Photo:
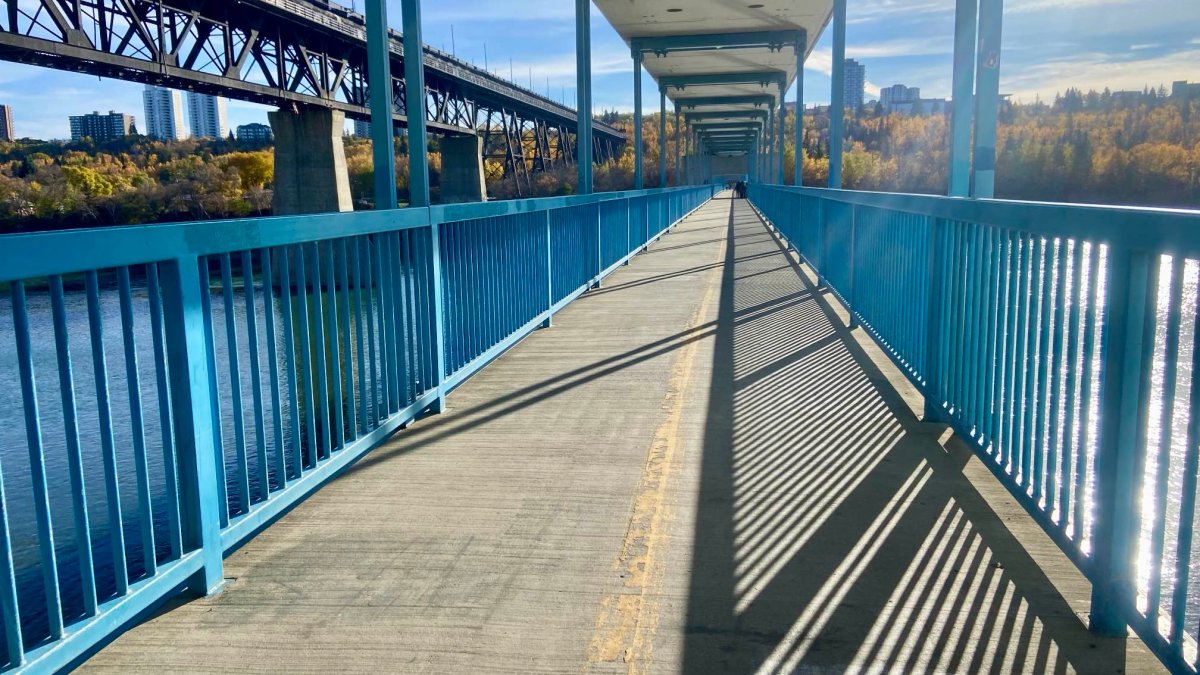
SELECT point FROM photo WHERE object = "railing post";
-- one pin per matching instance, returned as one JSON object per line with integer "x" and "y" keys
{"x": 549, "y": 274}
{"x": 1127, "y": 347}
{"x": 599, "y": 247}
{"x": 933, "y": 323}
{"x": 628, "y": 224}
{"x": 850, "y": 264}
{"x": 193, "y": 415}
{"x": 439, "y": 328}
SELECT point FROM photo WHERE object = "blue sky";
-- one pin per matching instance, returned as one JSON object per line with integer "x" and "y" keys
{"x": 1048, "y": 46}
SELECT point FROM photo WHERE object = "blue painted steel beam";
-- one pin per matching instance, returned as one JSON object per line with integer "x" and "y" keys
{"x": 383, "y": 141}
{"x": 965, "y": 20}
{"x": 749, "y": 125}
{"x": 638, "y": 152}
{"x": 748, "y": 99}
{"x": 837, "y": 107}
{"x": 762, "y": 115}
{"x": 583, "y": 82}
{"x": 798, "y": 175}
{"x": 987, "y": 96}
{"x": 764, "y": 78}
{"x": 774, "y": 40}
{"x": 414, "y": 80}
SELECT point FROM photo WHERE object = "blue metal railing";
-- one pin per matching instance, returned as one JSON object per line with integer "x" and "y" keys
{"x": 1061, "y": 340}
{"x": 205, "y": 377}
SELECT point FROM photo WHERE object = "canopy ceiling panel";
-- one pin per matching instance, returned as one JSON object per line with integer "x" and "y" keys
{"x": 668, "y": 32}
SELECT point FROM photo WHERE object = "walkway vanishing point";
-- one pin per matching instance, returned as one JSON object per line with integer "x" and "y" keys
{"x": 698, "y": 469}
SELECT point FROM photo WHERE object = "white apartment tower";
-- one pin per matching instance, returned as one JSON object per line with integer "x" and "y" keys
{"x": 207, "y": 115}
{"x": 164, "y": 113}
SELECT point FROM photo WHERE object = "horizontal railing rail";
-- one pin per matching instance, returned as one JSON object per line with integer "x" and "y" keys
{"x": 1061, "y": 340}
{"x": 166, "y": 391}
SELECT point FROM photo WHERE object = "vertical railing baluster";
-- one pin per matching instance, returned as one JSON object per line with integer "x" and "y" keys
{"x": 343, "y": 265}
{"x": 439, "y": 344}
{"x": 305, "y": 356}
{"x": 279, "y": 457}
{"x": 363, "y": 412}
{"x": 137, "y": 434}
{"x": 549, "y": 271}
{"x": 166, "y": 422}
{"x": 1084, "y": 433}
{"x": 1054, "y": 448}
{"x": 320, "y": 356}
{"x": 260, "y": 427}
{"x": 194, "y": 419}
{"x": 1042, "y": 384}
{"x": 1170, "y": 374}
{"x": 10, "y": 612}
{"x": 373, "y": 312}
{"x": 108, "y": 450}
{"x": 241, "y": 473}
{"x": 337, "y": 432}
{"x": 1128, "y": 336}
{"x": 47, "y": 555}
{"x": 1187, "y": 502}
{"x": 287, "y": 297}
{"x": 1070, "y": 448}
{"x": 218, "y": 435}
{"x": 66, "y": 386}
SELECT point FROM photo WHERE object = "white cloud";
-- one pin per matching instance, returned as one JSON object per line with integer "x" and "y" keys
{"x": 1097, "y": 70}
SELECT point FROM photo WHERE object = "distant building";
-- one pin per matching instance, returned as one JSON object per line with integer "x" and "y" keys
{"x": 362, "y": 129}
{"x": 101, "y": 128}
{"x": 6, "y": 124}
{"x": 856, "y": 83}
{"x": 207, "y": 116}
{"x": 1128, "y": 97}
{"x": 907, "y": 101}
{"x": 898, "y": 93}
{"x": 164, "y": 113}
{"x": 255, "y": 133}
{"x": 1185, "y": 90}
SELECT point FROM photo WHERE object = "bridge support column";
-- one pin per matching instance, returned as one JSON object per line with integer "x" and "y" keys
{"x": 310, "y": 162}
{"x": 462, "y": 169}
{"x": 798, "y": 160}
{"x": 837, "y": 99}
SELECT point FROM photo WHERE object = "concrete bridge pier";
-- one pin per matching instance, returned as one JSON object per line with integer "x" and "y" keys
{"x": 462, "y": 169}
{"x": 310, "y": 162}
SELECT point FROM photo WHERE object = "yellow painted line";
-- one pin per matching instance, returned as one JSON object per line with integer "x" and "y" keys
{"x": 628, "y": 616}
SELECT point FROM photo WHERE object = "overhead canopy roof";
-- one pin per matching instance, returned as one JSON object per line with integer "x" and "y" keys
{"x": 719, "y": 60}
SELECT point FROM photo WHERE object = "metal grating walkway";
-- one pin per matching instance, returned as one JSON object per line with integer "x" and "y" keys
{"x": 697, "y": 469}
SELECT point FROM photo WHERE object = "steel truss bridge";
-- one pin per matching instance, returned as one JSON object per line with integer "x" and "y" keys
{"x": 290, "y": 53}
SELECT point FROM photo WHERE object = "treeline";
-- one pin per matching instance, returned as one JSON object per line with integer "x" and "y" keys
{"x": 48, "y": 185}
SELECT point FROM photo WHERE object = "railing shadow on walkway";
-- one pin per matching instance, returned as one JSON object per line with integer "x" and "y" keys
{"x": 835, "y": 531}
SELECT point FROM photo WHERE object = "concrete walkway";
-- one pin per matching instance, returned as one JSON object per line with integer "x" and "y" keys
{"x": 699, "y": 469}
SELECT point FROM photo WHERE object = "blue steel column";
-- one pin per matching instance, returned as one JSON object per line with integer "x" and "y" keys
{"x": 383, "y": 141}
{"x": 781, "y": 149}
{"x": 678, "y": 148}
{"x": 837, "y": 105}
{"x": 801, "y": 49}
{"x": 583, "y": 82}
{"x": 987, "y": 97}
{"x": 768, "y": 175}
{"x": 418, "y": 177}
{"x": 965, "y": 19}
{"x": 414, "y": 109}
{"x": 637, "y": 121}
{"x": 662, "y": 137}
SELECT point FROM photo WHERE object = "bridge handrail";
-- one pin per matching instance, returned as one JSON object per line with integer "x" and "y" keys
{"x": 1050, "y": 336}
{"x": 278, "y": 351}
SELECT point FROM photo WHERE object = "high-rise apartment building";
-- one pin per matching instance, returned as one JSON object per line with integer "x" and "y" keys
{"x": 164, "y": 113}
{"x": 6, "y": 124}
{"x": 362, "y": 129}
{"x": 101, "y": 128}
{"x": 856, "y": 82}
{"x": 207, "y": 115}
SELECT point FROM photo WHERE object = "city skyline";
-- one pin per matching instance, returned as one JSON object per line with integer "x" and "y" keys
{"x": 1049, "y": 45}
